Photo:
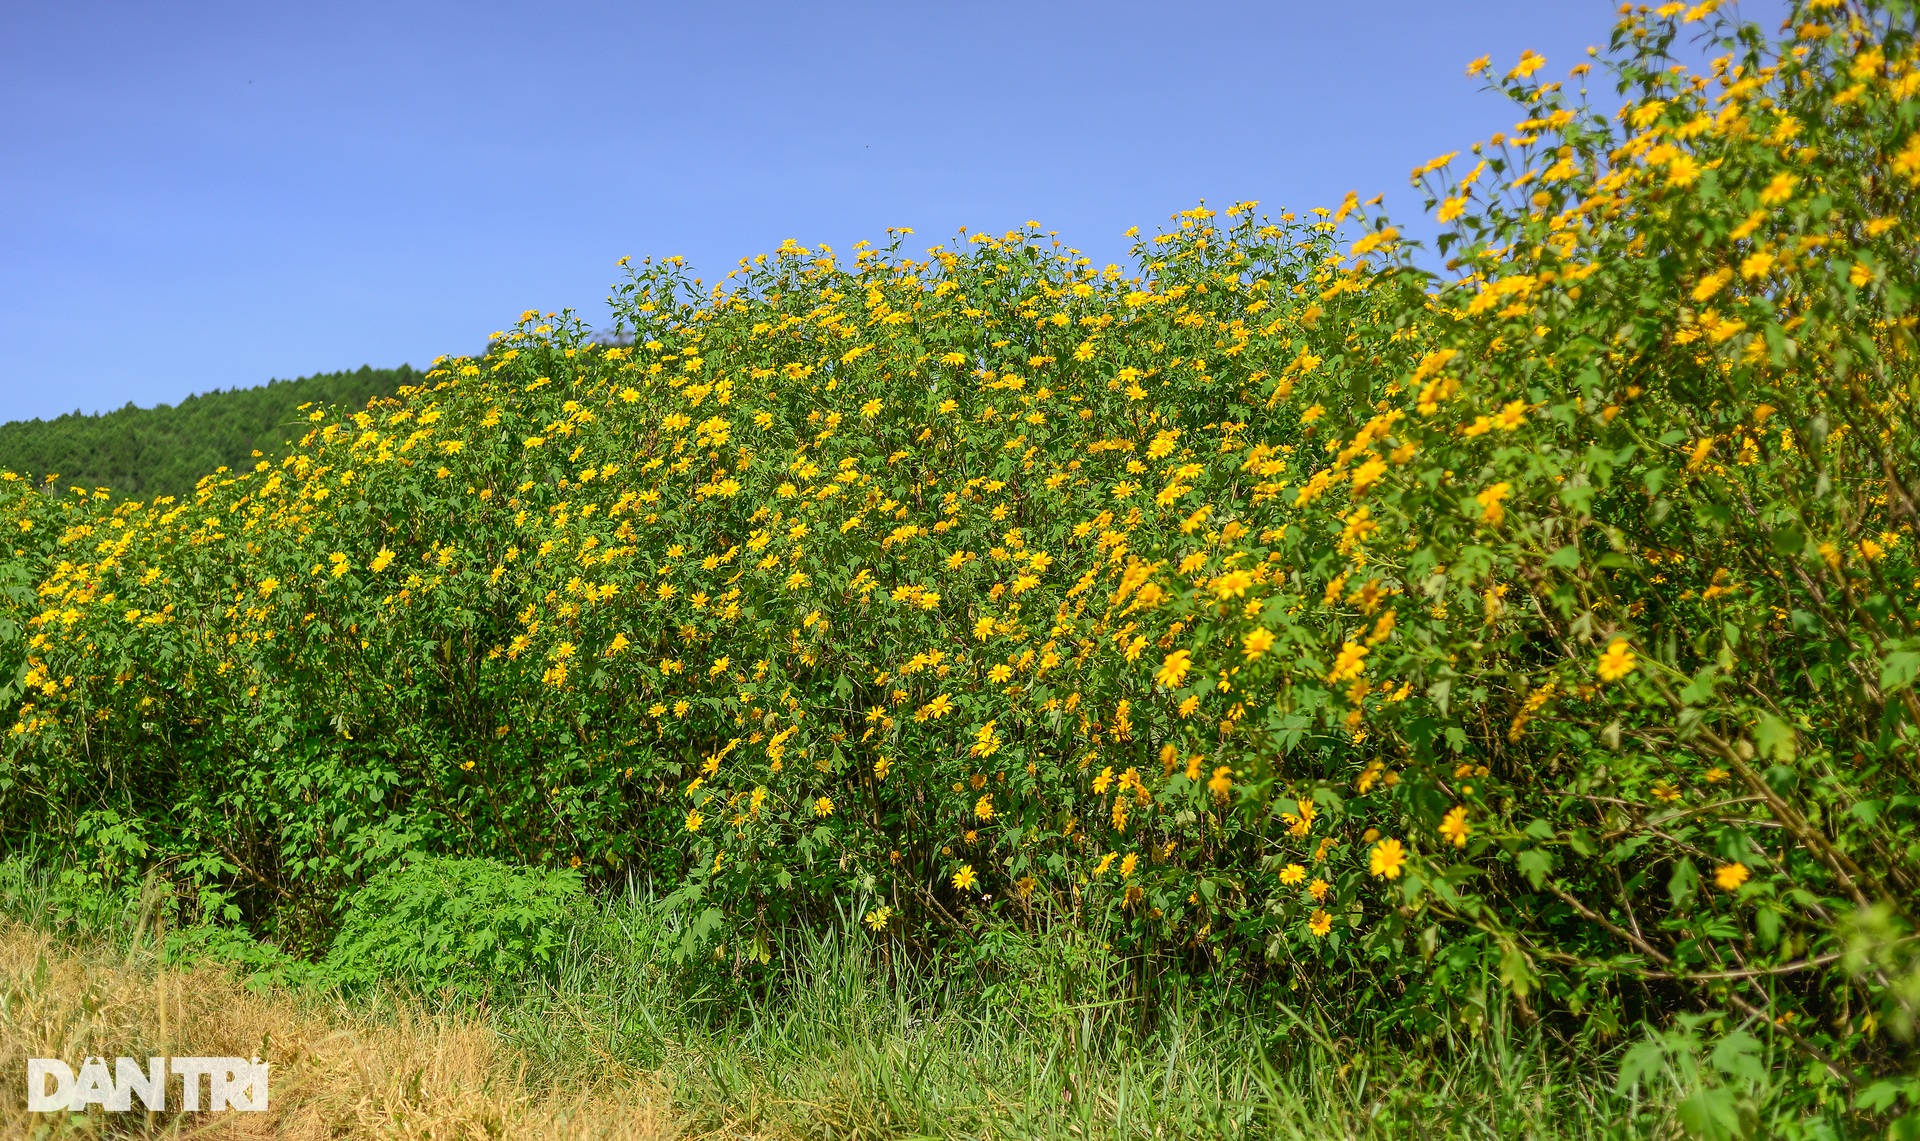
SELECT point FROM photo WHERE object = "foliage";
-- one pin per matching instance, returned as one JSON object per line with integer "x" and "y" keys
{"x": 468, "y": 925}
{"x": 1540, "y": 637}
{"x": 854, "y": 1039}
{"x": 164, "y": 450}
{"x": 854, "y": 1042}
{"x": 260, "y": 963}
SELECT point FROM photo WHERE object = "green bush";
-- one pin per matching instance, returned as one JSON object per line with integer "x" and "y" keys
{"x": 264, "y": 964}
{"x": 463, "y": 925}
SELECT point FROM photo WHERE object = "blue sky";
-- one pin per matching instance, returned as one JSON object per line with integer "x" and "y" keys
{"x": 207, "y": 195}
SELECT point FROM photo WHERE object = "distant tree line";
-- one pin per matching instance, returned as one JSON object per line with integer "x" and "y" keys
{"x": 164, "y": 450}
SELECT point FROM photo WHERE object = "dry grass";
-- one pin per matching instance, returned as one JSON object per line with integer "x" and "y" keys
{"x": 337, "y": 1072}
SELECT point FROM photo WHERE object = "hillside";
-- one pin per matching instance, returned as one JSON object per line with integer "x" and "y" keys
{"x": 143, "y": 452}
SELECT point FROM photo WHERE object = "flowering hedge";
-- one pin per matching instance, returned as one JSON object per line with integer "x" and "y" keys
{"x": 1545, "y": 627}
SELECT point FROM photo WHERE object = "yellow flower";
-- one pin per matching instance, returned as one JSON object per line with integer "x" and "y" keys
{"x": 823, "y": 806}
{"x": 983, "y": 808}
{"x": 1127, "y": 865}
{"x": 1492, "y": 509}
{"x": 1174, "y": 669}
{"x": 694, "y": 820}
{"x": 1455, "y": 827}
{"x": 1382, "y": 629}
{"x": 1511, "y": 416}
{"x": 1106, "y": 862}
{"x": 986, "y": 742}
{"x": 1318, "y": 889}
{"x": 1778, "y": 191}
{"x": 1712, "y": 284}
{"x": 1756, "y": 265}
{"x": 382, "y": 560}
{"x": 964, "y": 879}
{"x": 1292, "y": 874}
{"x": 268, "y": 586}
{"x": 1320, "y": 923}
{"x": 1233, "y": 584}
{"x": 877, "y": 918}
{"x": 1907, "y": 162}
{"x": 1387, "y": 858}
{"x": 1618, "y": 661}
{"x": 1350, "y": 663}
{"x": 1257, "y": 642}
{"x": 1529, "y": 63}
{"x": 1729, "y": 877}
{"x": 1366, "y": 475}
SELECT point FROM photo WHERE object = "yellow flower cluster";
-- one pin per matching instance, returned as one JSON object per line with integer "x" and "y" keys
{"x": 1271, "y": 570}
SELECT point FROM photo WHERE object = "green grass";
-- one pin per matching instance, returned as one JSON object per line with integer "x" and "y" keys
{"x": 848, "y": 1038}
{"x": 854, "y": 1041}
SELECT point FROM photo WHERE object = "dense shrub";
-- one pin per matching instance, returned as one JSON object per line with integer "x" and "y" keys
{"x": 468, "y": 925}
{"x": 1542, "y": 632}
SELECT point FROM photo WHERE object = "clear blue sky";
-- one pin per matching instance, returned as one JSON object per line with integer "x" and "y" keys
{"x": 206, "y": 195}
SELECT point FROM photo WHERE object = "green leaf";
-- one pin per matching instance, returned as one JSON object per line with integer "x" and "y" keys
{"x": 1683, "y": 883}
{"x": 1515, "y": 971}
{"x": 1536, "y": 864}
{"x": 1709, "y": 1113}
{"x": 1774, "y": 738}
{"x": 1899, "y": 670}
{"x": 1642, "y": 1059}
{"x": 1738, "y": 1056}
{"x": 1881, "y": 1095}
